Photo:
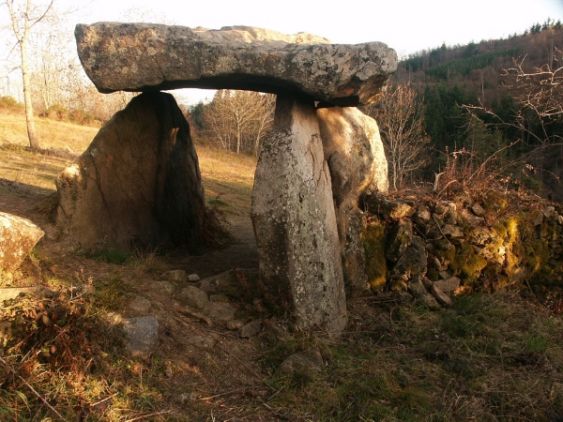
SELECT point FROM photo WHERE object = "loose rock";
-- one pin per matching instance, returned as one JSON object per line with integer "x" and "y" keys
{"x": 251, "y": 329}
{"x": 175, "y": 275}
{"x": 449, "y": 285}
{"x": 193, "y": 296}
{"x": 18, "y": 236}
{"x": 141, "y": 334}
{"x": 307, "y": 363}
{"x": 139, "y": 306}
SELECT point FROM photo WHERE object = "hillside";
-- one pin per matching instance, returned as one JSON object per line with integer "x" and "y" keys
{"x": 487, "y": 357}
{"x": 475, "y": 67}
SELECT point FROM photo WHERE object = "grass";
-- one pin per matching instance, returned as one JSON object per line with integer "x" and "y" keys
{"x": 227, "y": 177}
{"x": 493, "y": 357}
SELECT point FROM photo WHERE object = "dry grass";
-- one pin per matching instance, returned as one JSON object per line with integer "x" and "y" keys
{"x": 68, "y": 137}
{"x": 227, "y": 177}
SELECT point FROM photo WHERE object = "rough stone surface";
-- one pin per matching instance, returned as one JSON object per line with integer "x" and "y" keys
{"x": 175, "y": 275}
{"x": 251, "y": 329}
{"x": 193, "y": 278}
{"x": 138, "y": 184}
{"x": 448, "y": 285}
{"x": 164, "y": 286}
{"x": 308, "y": 363}
{"x": 135, "y": 57}
{"x": 141, "y": 335}
{"x": 139, "y": 305}
{"x": 194, "y": 296}
{"x": 441, "y": 296}
{"x": 18, "y": 236}
{"x": 295, "y": 224}
{"x": 418, "y": 291}
{"x": 356, "y": 159}
{"x": 221, "y": 311}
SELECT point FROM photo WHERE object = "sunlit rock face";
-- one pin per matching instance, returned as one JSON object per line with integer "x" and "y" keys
{"x": 354, "y": 152}
{"x": 137, "y": 57}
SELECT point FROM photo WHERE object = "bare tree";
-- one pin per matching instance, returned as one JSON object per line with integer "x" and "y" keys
{"x": 539, "y": 96}
{"x": 401, "y": 122}
{"x": 23, "y": 17}
{"x": 537, "y": 118}
{"x": 239, "y": 119}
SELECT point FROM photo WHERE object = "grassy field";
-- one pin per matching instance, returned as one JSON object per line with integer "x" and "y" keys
{"x": 227, "y": 177}
{"x": 489, "y": 357}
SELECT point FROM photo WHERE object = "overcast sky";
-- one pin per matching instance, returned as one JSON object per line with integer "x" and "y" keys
{"x": 406, "y": 26}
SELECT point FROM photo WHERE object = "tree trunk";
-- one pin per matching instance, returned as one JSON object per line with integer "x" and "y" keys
{"x": 28, "y": 104}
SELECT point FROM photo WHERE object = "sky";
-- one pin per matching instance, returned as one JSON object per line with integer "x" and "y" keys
{"x": 406, "y": 26}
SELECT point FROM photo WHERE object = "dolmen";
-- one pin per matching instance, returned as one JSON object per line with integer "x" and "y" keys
{"x": 139, "y": 184}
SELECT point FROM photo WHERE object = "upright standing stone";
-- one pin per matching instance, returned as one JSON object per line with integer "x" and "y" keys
{"x": 356, "y": 158}
{"x": 294, "y": 221}
{"x": 138, "y": 183}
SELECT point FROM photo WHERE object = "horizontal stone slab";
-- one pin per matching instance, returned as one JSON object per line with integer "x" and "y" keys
{"x": 139, "y": 57}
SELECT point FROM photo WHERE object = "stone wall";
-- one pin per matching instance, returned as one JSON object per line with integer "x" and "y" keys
{"x": 427, "y": 245}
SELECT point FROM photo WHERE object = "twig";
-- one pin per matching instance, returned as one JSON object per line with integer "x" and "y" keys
{"x": 103, "y": 400}
{"x": 28, "y": 385}
{"x": 147, "y": 415}
{"x": 226, "y": 393}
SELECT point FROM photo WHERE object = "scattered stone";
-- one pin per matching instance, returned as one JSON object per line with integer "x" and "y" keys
{"x": 193, "y": 296}
{"x": 251, "y": 329}
{"x": 418, "y": 291}
{"x": 218, "y": 298}
{"x": 139, "y": 306}
{"x": 18, "y": 236}
{"x": 193, "y": 278}
{"x": 164, "y": 286}
{"x": 141, "y": 335}
{"x": 220, "y": 311}
{"x": 308, "y": 363}
{"x": 235, "y": 324}
{"x": 137, "y": 57}
{"x": 175, "y": 275}
{"x": 452, "y": 231}
{"x": 204, "y": 342}
{"x": 449, "y": 285}
{"x": 478, "y": 210}
{"x": 442, "y": 297}
{"x": 470, "y": 218}
{"x": 219, "y": 283}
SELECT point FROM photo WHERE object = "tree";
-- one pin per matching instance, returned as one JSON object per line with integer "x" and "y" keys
{"x": 23, "y": 17}
{"x": 239, "y": 119}
{"x": 536, "y": 120}
{"x": 401, "y": 122}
